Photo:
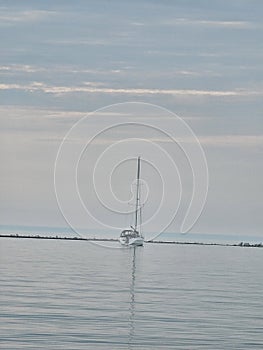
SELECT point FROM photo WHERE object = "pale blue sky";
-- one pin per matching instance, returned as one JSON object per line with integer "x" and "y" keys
{"x": 200, "y": 59}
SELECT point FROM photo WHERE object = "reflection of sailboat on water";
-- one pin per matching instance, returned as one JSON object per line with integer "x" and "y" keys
{"x": 132, "y": 300}
{"x": 132, "y": 236}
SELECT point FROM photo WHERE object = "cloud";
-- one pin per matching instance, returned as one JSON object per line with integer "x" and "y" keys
{"x": 232, "y": 140}
{"x": 215, "y": 23}
{"x": 184, "y": 21}
{"x": 221, "y": 141}
{"x": 123, "y": 71}
{"x": 210, "y": 140}
{"x": 26, "y": 68}
{"x": 11, "y": 115}
{"x": 81, "y": 42}
{"x": 95, "y": 89}
{"x": 8, "y": 17}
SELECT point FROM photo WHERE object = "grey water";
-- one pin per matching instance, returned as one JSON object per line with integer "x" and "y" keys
{"x": 79, "y": 295}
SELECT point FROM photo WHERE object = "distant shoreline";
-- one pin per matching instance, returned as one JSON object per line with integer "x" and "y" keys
{"x": 241, "y": 244}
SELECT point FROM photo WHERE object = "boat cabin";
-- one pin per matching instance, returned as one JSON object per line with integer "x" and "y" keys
{"x": 129, "y": 232}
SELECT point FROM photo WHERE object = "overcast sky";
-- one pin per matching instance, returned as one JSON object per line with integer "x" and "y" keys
{"x": 200, "y": 59}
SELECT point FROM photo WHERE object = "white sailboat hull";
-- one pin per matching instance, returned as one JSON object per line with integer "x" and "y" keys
{"x": 132, "y": 241}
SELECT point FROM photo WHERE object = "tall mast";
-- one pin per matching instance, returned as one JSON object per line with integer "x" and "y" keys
{"x": 137, "y": 192}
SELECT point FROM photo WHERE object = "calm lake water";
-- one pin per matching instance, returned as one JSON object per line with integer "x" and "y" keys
{"x": 77, "y": 295}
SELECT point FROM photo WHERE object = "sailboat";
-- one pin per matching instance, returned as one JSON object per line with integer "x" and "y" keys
{"x": 132, "y": 235}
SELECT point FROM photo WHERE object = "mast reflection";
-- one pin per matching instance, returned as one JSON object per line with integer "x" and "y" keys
{"x": 132, "y": 300}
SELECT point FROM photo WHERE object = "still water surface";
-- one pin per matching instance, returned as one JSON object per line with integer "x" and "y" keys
{"x": 76, "y": 295}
